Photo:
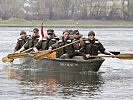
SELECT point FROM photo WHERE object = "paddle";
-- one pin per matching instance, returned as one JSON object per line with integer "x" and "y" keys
{"x": 19, "y": 55}
{"x": 120, "y": 56}
{"x": 11, "y": 57}
{"x": 6, "y": 59}
{"x": 45, "y": 53}
{"x": 16, "y": 55}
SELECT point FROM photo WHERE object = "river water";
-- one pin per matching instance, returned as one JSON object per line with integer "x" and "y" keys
{"x": 114, "y": 80}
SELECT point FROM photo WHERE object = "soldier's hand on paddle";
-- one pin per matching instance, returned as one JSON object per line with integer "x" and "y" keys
{"x": 87, "y": 56}
{"x": 35, "y": 50}
{"x": 50, "y": 50}
{"x": 112, "y": 54}
{"x": 17, "y": 51}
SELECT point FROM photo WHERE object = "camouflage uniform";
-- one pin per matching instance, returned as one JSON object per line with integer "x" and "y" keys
{"x": 77, "y": 46}
{"x": 20, "y": 43}
{"x": 45, "y": 43}
{"x": 31, "y": 42}
{"x": 92, "y": 47}
{"x": 69, "y": 50}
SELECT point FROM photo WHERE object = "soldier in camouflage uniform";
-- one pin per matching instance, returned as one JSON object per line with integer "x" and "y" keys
{"x": 55, "y": 37}
{"x": 92, "y": 46}
{"x": 46, "y": 42}
{"x": 71, "y": 32}
{"x": 77, "y": 46}
{"x": 66, "y": 52}
{"x": 21, "y": 41}
{"x": 31, "y": 42}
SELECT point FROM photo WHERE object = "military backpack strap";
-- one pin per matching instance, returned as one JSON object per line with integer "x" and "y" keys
{"x": 97, "y": 41}
{"x": 54, "y": 40}
{"x": 87, "y": 42}
{"x": 44, "y": 39}
{"x": 69, "y": 41}
{"x": 19, "y": 39}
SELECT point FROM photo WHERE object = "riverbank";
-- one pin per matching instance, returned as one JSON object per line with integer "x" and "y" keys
{"x": 64, "y": 23}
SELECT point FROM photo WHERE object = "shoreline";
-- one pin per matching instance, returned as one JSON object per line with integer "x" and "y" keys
{"x": 66, "y": 23}
{"x": 75, "y": 26}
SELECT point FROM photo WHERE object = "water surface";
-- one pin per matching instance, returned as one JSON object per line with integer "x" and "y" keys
{"x": 112, "y": 82}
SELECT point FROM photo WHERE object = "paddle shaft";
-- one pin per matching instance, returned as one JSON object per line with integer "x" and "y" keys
{"x": 26, "y": 50}
{"x": 102, "y": 56}
{"x": 120, "y": 56}
{"x": 65, "y": 46}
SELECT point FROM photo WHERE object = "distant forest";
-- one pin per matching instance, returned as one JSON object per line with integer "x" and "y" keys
{"x": 67, "y": 9}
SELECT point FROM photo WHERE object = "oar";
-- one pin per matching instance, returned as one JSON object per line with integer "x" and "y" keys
{"x": 120, "y": 56}
{"x": 19, "y": 55}
{"x": 16, "y": 55}
{"x": 11, "y": 57}
{"x": 6, "y": 59}
{"x": 45, "y": 53}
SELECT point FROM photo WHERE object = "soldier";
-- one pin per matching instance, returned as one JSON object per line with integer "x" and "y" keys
{"x": 71, "y": 32}
{"x": 46, "y": 42}
{"x": 31, "y": 41}
{"x": 66, "y": 52}
{"x": 21, "y": 41}
{"x": 92, "y": 46}
{"x": 77, "y": 36}
{"x": 55, "y": 37}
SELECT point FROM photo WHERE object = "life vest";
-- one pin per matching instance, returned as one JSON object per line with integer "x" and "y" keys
{"x": 31, "y": 42}
{"x": 69, "y": 49}
{"x": 88, "y": 42}
{"x": 52, "y": 55}
{"x": 92, "y": 47}
{"x": 46, "y": 43}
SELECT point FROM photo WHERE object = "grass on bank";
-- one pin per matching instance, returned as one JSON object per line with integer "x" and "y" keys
{"x": 82, "y": 23}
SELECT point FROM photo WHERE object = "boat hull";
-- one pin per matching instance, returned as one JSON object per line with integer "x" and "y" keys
{"x": 62, "y": 65}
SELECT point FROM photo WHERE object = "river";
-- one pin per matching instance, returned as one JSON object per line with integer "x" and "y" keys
{"x": 114, "y": 80}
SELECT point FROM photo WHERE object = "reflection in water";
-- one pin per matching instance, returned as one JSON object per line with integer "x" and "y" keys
{"x": 39, "y": 82}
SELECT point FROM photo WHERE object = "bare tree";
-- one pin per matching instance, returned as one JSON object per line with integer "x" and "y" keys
{"x": 67, "y": 9}
{"x": 11, "y": 8}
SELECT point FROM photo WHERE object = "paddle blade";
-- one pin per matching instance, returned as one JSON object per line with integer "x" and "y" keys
{"x": 16, "y": 55}
{"x": 6, "y": 59}
{"x": 124, "y": 56}
{"x": 41, "y": 55}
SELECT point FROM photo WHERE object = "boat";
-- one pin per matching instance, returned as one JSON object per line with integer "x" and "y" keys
{"x": 77, "y": 64}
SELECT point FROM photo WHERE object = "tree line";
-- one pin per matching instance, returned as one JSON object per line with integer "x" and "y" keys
{"x": 67, "y": 9}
